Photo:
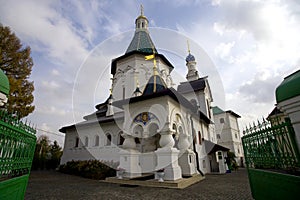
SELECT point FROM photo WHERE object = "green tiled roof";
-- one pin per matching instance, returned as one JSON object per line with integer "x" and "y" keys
{"x": 216, "y": 110}
{"x": 141, "y": 42}
{"x": 289, "y": 87}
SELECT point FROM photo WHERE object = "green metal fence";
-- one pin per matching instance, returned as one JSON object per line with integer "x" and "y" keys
{"x": 269, "y": 146}
{"x": 17, "y": 144}
{"x": 272, "y": 160}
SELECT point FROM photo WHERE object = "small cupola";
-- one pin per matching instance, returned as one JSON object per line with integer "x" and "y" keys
{"x": 141, "y": 41}
{"x": 191, "y": 65}
{"x": 141, "y": 22}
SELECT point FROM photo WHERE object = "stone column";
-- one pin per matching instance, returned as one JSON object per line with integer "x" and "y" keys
{"x": 167, "y": 157}
{"x": 129, "y": 158}
{"x": 187, "y": 157}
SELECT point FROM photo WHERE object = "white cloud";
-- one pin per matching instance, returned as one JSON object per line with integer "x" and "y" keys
{"x": 55, "y": 72}
{"x": 50, "y": 85}
{"x": 223, "y": 50}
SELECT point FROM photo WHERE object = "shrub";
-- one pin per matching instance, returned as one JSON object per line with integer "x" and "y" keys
{"x": 93, "y": 169}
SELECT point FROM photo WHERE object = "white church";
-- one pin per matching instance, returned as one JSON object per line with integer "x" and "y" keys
{"x": 147, "y": 125}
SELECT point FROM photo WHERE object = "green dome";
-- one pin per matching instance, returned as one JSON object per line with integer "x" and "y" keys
{"x": 289, "y": 87}
{"x": 141, "y": 42}
{"x": 4, "y": 83}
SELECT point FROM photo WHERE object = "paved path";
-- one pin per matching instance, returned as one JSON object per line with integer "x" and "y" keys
{"x": 54, "y": 185}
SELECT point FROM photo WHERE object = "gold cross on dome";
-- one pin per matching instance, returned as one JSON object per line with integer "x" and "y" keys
{"x": 142, "y": 10}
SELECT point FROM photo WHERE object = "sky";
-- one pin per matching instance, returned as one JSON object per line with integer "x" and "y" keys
{"x": 252, "y": 44}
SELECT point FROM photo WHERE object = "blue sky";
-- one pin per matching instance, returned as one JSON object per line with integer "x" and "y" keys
{"x": 252, "y": 44}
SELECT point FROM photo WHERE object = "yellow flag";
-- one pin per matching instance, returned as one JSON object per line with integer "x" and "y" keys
{"x": 149, "y": 57}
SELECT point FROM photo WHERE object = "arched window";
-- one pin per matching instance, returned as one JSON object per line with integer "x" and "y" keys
{"x": 86, "y": 141}
{"x": 120, "y": 138}
{"x": 97, "y": 140}
{"x": 138, "y": 130}
{"x": 174, "y": 127}
{"x": 143, "y": 25}
{"x": 77, "y": 142}
{"x": 137, "y": 140}
{"x": 153, "y": 129}
{"x": 108, "y": 139}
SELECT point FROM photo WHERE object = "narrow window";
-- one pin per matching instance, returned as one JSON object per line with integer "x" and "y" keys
{"x": 208, "y": 109}
{"x": 123, "y": 92}
{"x": 236, "y": 136}
{"x": 218, "y": 136}
{"x": 97, "y": 140}
{"x": 203, "y": 164}
{"x": 86, "y": 141}
{"x": 77, "y": 142}
{"x": 137, "y": 140}
{"x": 108, "y": 139}
{"x": 121, "y": 139}
{"x": 199, "y": 137}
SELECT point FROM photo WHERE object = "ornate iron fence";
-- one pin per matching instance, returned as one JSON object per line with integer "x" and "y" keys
{"x": 17, "y": 144}
{"x": 271, "y": 146}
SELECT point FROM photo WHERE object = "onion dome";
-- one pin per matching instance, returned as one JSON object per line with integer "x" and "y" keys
{"x": 190, "y": 58}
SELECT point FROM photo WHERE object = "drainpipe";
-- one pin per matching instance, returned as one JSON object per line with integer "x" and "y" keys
{"x": 194, "y": 147}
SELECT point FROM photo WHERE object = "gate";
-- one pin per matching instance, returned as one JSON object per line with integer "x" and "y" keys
{"x": 17, "y": 144}
{"x": 272, "y": 160}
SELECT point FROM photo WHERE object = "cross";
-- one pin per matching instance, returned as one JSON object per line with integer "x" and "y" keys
{"x": 188, "y": 45}
{"x": 142, "y": 10}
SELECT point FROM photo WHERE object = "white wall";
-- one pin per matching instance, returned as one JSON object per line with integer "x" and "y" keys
{"x": 134, "y": 68}
{"x": 91, "y": 151}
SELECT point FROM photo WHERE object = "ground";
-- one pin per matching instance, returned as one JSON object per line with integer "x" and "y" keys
{"x": 54, "y": 185}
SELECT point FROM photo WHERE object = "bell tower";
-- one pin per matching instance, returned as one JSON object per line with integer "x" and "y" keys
{"x": 191, "y": 65}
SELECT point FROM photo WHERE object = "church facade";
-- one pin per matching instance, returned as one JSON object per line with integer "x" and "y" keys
{"x": 147, "y": 125}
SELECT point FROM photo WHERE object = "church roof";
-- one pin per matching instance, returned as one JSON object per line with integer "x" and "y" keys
{"x": 275, "y": 112}
{"x": 190, "y": 86}
{"x": 289, "y": 87}
{"x": 141, "y": 42}
{"x": 216, "y": 110}
{"x": 155, "y": 84}
{"x": 98, "y": 119}
{"x": 211, "y": 147}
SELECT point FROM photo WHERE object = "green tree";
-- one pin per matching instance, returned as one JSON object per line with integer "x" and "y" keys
{"x": 17, "y": 64}
{"x": 42, "y": 152}
{"x": 231, "y": 161}
{"x": 56, "y": 154}
{"x": 46, "y": 156}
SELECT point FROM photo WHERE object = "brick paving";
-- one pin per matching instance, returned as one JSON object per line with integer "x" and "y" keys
{"x": 54, "y": 185}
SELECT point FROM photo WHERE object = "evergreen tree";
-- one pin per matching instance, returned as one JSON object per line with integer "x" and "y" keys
{"x": 17, "y": 64}
{"x": 56, "y": 154}
{"x": 42, "y": 152}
